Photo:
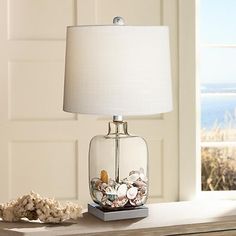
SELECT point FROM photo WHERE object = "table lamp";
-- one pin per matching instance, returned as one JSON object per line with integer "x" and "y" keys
{"x": 118, "y": 70}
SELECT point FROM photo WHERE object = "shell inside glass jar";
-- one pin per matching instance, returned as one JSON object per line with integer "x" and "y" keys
{"x": 131, "y": 191}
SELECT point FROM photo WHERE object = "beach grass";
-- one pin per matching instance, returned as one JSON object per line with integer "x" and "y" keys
{"x": 218, "y": 163}
{"x": 218, "y": 168}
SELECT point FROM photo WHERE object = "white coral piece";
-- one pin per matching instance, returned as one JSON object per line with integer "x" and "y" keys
{"x": 33, "y": 207}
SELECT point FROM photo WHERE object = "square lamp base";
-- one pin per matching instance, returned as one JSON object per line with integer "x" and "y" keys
{"x": 105, "y": 215}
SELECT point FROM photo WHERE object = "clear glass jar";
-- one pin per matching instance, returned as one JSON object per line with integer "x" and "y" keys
{"x": 118, "y": 168}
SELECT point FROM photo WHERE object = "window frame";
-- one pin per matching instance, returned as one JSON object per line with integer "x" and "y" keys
{"x": 187, "y": 101}
{"x": 189, "y": 108}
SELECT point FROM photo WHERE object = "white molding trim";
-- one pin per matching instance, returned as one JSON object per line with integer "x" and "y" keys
{"x": 189, "y": 183}
{"x": 189, "y": 109}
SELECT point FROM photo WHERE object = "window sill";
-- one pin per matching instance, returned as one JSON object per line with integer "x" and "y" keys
{"x": 178, "y": 218}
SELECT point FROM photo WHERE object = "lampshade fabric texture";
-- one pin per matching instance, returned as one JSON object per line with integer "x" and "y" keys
{"x": 117, "y": 70}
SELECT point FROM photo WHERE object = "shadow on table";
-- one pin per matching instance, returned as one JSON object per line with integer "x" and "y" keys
{"x": 87, "y": 220}
{"x": 32, "y": 224}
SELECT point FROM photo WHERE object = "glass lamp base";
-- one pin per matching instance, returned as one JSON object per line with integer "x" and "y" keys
{"x": 118, "y": 169}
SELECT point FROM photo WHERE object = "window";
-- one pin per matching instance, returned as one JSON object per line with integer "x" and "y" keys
{"x": 217, "y": 74}
{"x": 207, "y": 74}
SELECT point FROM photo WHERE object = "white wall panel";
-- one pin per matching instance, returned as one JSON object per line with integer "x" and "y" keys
{"x": 170, "y": 128}
{"x": 49, "y": 168}
{"x": 36, "y": 90}
{"x": 39, "y": 19}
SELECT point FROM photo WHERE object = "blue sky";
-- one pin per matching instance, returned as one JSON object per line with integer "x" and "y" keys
{"x": 217, "y": 20}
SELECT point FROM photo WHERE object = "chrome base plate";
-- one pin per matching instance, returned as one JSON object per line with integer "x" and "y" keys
{"x": 105, "y": 215}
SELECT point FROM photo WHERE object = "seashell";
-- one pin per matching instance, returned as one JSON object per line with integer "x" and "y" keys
{"x": 133, "y": 177}
{"x": 132, "y": 203}
{"x": 111, "y": 193}
{"x": 111, "y": 182}
{"x": 119, "y": 203}
{"x": 107, "y": 202}
{"x": 122, "y": 202}
{"x": 103, "y": 202}
{"x": 122, "y": 190}
{"x": 98, "y": 183}
{"x": 102, "y": 187}
{"x": 139, "y": 200}
{"x": 127, "y": 182}
{"x": 143, "y": 190}
{"x": 136, "y": 202}
{"x": 117, "y": 186}
{"x": 98, "y": 195}
{"x": 112, "y": 196}
{"x": 143, "y": 177}
{"x": 95, "y": 182}
{"x": 109, "y": 190}
{"x": 140, "y": 184}
{"x": 132, "y": 192}
{"x": 114, "y": 204}
{"x": 104, "y": 198}
{"x": 134, "y": 172}
{"x": 104, "y": 176}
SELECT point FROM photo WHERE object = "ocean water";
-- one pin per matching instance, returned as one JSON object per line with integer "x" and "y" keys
{"x": 218, "y": 88}
{"x": 218, "y": 105}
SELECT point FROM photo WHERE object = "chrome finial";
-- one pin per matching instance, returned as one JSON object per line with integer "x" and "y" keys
{"x": 118, "y": 20}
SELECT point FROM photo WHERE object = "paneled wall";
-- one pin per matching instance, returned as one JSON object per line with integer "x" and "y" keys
{"x": 45, "y": 149}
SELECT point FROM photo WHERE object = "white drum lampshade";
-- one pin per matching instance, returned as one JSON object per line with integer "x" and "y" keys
{"x": 117, "y": 70}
